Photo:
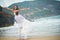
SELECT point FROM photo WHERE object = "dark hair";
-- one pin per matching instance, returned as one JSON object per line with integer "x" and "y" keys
{"x": 16, "y": 13}
{"x": 16, "y": 8}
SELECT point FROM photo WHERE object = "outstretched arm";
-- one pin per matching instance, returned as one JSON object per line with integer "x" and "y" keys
{"x": 24, "y": 9}
{"x": 8, "y": 8}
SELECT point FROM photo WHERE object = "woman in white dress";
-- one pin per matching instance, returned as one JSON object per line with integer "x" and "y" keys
{"x": 21, "y": 22}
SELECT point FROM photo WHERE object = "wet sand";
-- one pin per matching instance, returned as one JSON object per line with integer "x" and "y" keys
{"x": 8, "y": 38}
{"x": 33, "y": 38}
{"x": 45, "y": 38}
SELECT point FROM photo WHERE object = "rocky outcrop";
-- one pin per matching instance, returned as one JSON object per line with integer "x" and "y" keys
{"x": 6, "y": 19}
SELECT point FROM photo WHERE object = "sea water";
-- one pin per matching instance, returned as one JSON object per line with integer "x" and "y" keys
{"x": 47, "y": 26}
{"x": 40, "y": 27}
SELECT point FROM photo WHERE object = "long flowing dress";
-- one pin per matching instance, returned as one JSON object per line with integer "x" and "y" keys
{"x": 23, "y": 24}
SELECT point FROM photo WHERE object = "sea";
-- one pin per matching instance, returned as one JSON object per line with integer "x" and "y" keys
{"x": 47, "y": 26}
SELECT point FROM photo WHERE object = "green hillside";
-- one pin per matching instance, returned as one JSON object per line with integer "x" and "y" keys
{"x": 39, "y": 8}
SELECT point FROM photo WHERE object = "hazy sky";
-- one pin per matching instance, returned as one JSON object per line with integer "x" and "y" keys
{"x": 6, "y": 3}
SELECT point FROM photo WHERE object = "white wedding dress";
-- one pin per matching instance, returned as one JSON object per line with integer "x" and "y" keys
{"x": 23, "y": 24}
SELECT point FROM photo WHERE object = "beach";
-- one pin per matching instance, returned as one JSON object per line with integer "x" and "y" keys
{"x": 45, "y": 38}
{"x": 33, "y": 38}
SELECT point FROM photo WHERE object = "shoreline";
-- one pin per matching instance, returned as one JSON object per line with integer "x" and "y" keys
{"x": 57, "y": 37}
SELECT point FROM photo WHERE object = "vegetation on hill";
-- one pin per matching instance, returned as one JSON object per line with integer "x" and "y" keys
{"x": 39, "y": 8}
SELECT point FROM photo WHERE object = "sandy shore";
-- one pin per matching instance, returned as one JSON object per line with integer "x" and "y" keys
{"x": 33, "y": 38}
{"x": 45, "y": 38}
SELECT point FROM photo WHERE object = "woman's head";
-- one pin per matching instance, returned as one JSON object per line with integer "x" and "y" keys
{"x": 15, "y": 7}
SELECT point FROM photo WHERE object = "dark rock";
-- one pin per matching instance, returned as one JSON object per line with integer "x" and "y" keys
{"x": 0, "y": 8}
{"x": 6, "y": 19}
